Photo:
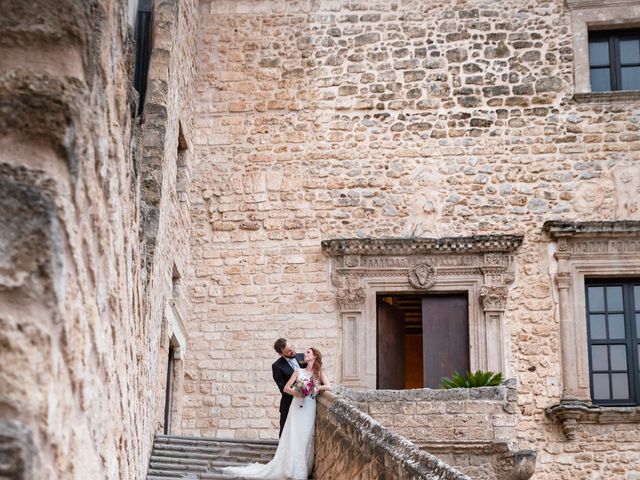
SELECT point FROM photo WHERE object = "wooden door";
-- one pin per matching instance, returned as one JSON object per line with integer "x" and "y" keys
{"x": 390, "y": 361}
{"x": 445, "y": 333}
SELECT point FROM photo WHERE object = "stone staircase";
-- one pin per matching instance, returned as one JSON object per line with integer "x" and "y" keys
{"x": 200, "y": 458}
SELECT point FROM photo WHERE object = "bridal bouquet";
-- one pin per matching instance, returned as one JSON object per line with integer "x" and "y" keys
{"x": 306, "y": 387}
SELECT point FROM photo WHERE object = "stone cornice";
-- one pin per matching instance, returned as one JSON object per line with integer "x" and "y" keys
{"x": 607, "y": 97}
{"x": 582, "y": 4}
{"x": 592, "y": 229}
{"x": 572, "y": 413}
{"x": 404, "y": 246}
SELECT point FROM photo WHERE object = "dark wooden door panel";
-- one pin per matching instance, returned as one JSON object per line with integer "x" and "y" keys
{"x": 445, "y": 333}
{"x": 390, "y": 347}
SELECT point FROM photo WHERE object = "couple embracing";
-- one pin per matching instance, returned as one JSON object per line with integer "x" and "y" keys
{"x": 299, "y": 378}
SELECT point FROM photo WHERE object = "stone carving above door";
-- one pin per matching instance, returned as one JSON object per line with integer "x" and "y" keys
{"x": 422, "y": 275}
{"x": 482, "y": 266}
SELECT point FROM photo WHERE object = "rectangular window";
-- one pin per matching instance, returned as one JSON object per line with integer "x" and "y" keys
{"x": 143, "y": 49}
{"x": 614, "y": 60}
{"x": 613, "y": 328}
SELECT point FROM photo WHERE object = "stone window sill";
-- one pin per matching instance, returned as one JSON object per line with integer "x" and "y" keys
{"x": 569, "y": 414}
{"x": 607, "y": 97}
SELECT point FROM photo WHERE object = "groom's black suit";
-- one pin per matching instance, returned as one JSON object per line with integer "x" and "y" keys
{"x": 282, "y": 372}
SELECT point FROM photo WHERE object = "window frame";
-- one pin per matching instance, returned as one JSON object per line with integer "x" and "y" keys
{"x": 631, "y": 340}
{"x": 143, "y": 45}
{"x": 586, "y": 250}
{"x": 615, "y": 65}
{"x": 594, "y": 15}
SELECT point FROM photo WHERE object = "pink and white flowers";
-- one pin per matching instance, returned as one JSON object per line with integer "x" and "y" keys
{"x": 306, "y": 387}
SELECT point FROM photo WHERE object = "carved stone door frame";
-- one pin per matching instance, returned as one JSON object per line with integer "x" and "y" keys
{"x": 481, "y": 267}
{"x": 585, "y": 250}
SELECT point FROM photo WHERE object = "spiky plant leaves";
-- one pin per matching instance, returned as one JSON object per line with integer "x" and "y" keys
{"x": 478, "y": 378}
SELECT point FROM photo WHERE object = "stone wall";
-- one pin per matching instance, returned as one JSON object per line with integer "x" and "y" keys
{"x": 334, "y": 119}
{"x": 470, "y": 429}
{"x": 350, "y": 444}
{"x": 427, "y": 416}
{"x": 165, "y": 170}
{"x": 81, "y": 298}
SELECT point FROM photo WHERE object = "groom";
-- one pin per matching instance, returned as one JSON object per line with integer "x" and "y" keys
{"x": 282, "y": 370}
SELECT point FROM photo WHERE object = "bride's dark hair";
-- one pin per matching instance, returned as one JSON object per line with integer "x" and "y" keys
{"x": 317, "y": 364}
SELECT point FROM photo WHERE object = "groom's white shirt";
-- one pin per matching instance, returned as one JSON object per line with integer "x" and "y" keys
{"x": 293, "y": 362}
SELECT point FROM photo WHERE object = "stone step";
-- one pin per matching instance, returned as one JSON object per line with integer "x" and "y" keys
{"x": 209, "y": 455}
{"x": 208, "y": 440}
{"x": 195, "y": 458}
{"x": 211, "y": 475}
{"x": 188, "y": 463}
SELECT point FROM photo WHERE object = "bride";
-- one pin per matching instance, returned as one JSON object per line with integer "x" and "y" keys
{"x": 294, "y": 457}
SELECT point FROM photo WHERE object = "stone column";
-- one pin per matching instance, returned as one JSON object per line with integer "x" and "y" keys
{"x": 350, "y": 303}
{"x": 571, "y": 388}
{"x": 494, "y": 299}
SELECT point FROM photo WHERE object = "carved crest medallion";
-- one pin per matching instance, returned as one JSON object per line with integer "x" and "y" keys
{"x": 422, "y": 275}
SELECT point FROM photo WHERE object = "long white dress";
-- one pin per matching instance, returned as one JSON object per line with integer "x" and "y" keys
{"x": 293, "y": 459}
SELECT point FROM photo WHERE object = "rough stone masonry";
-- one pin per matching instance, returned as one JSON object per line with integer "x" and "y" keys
{"x": 93, "y": 234}
{"x": 375, "y": 119}
{"x": 268, "y": 127}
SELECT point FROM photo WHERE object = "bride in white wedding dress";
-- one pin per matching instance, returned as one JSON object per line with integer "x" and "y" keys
{"x": 294, "y": 457}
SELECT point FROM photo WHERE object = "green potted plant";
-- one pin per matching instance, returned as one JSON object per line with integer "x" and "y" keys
{"x": 479, "y": 378}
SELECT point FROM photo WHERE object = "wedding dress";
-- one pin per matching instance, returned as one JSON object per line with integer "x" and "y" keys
{"x": 293, "y": 459}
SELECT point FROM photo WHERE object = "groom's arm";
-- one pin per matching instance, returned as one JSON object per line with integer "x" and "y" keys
{"x": 279, "y": 377}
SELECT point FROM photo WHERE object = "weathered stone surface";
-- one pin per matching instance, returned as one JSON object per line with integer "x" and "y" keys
{"x": 380, "y": 152}
{"x": 366, "y": 38}
{"x": 84, "y": 287}
{"x": 18, "y": 455}
{"x": 306, "y": 121}
{"x": 476, "y": 424}
{"x": 351, "y": 444}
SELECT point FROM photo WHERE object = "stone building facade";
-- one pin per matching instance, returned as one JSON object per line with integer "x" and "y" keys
{"x": 438, "y": 125}
{"x": 296, "y": 165}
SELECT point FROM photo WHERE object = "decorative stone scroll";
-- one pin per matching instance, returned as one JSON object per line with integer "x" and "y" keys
{"x": 567, "y": 415}
{"x": 350, "y": 299}
{"x": 480, "y": 266}
{"x": 494, "y": 299}
{"x": 584, "y": 249}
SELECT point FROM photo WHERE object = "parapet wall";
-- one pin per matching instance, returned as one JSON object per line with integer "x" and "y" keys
{"x": 471, "y": 429}
{"x": 352, "y": 445}
{"x": 438, "y": 417}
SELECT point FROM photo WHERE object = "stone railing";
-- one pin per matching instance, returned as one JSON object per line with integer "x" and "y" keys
{"x": 471, "y": 429}
{"x": 352, "y": 445}
{"x": 434, "y": 416}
